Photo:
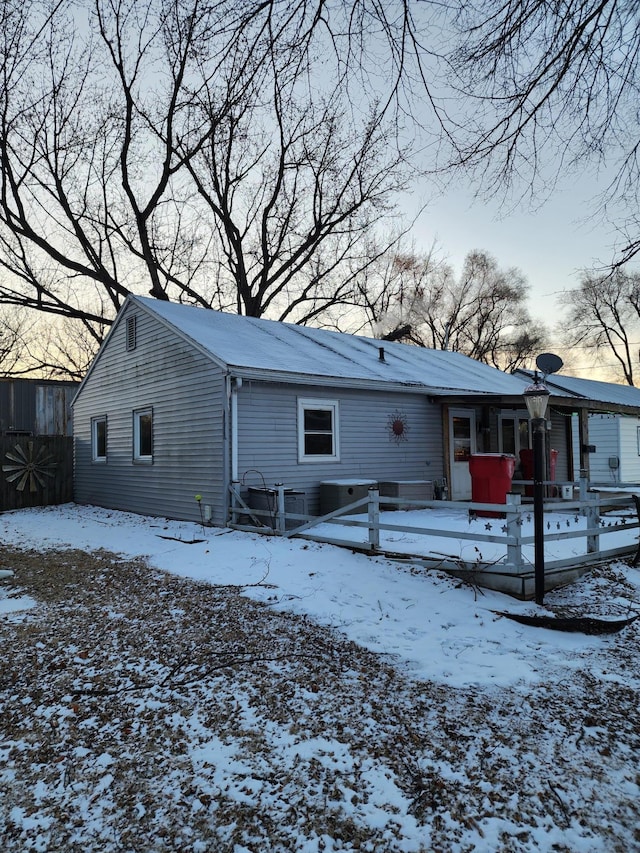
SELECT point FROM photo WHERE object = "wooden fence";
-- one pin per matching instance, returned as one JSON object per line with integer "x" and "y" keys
{"x": 513, "y": 573}
{"x": 36, "y": 471}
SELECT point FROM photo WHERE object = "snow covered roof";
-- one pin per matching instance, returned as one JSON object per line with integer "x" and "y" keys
{"x": 246, "y": 344}
{"x": 589, "y": 389}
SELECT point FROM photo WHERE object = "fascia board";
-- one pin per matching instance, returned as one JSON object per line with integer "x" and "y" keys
{"x": 183, "y": 336}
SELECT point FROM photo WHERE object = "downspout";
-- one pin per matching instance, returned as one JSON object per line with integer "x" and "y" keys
{"x": 236, "y": 384}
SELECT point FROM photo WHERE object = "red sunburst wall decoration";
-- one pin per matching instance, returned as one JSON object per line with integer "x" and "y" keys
{"x": 398, "y": 427}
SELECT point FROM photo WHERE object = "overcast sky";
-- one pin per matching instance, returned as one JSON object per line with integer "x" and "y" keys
{"x": 550, "y": 245}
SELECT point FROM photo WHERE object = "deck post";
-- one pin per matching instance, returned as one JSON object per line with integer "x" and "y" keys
{"x": 374, "y": 518}
{"x": 592, "y": 513}
{"x": 280, "y": 511}
{"x": 584, "y": 488}
{"x": 514, "y": 530}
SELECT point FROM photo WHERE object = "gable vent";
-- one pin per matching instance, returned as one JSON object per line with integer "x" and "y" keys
{"x": 131, "y": 332}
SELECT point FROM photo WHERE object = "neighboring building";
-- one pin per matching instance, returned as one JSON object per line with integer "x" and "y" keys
{"x": 605, "y": 427}
{"x": 36, "y": 445}
{"x": 33, "y": 407}
{"x": 182, "y": 401}
{"x": 616, "y": 455}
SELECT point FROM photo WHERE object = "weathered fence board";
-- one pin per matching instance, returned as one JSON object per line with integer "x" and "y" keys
{"x": 35, "y": 471}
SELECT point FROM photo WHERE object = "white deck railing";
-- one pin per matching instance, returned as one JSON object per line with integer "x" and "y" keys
{"x": 364, "y": 516}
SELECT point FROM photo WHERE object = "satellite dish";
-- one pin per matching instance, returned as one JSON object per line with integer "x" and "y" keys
{"x": 548, "y": 363}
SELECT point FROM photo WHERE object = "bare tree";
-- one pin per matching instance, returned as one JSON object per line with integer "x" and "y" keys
{"x": 233, "y": 154}
{"x": 604, "y": 314}
{"x": 553, "y": 86}
{"x": 14, "y": 329}
{"x": 41, "y": 346}
{"x": 60, "y": 347}
{"x": 481, "y": 312}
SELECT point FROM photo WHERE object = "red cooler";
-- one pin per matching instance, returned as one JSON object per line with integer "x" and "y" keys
{"x": 491, "y": 475}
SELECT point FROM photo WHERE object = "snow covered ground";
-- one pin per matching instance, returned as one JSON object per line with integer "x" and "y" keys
{"x": 463, "y": 731}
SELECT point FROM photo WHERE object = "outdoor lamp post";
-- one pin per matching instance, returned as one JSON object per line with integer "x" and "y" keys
{"x": 536, "y": 397}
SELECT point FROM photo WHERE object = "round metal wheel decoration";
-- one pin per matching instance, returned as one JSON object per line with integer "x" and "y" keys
{"x": 28, "y": 467}
{"x": 398, "y": 427}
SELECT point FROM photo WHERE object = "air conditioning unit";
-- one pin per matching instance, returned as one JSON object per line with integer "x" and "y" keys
{"x": 335, "y": 494}
{"x": 411, "y": 490}
{"x": 267, "y": 499}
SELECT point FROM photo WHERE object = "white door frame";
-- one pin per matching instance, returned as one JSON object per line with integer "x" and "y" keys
{"x": 460, "y": 485}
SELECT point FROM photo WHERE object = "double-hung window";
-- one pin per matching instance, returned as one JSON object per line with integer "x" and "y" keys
{"x": 143, "y": 435}
{"x": 318, "y": 437}
{"x": 99, "y": 439}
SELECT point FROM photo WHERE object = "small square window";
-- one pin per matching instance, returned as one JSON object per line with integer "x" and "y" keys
{"x": 131, "y": 332}
{"x": 99, "y": 439}
{"x": 143, "y": 435}
{"x": 318, "y": 430}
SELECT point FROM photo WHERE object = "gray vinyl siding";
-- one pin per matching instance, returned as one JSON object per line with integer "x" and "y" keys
{"x": 614, "y": 436}
{"x": 629, "y": 457}
{"x": 186, "y": 392}
{"x": 268, "y": 438}
{"x": 603, "y": 433}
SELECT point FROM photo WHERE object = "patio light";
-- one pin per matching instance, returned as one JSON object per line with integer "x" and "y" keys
{"x": 536, "y": 397}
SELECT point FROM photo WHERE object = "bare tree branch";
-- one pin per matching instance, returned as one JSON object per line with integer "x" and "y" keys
{"x": 550, "y": 87}
{"x": 481, "y": 313}
{"x": 604, "y": 314}
{"x": 234, "y": 154}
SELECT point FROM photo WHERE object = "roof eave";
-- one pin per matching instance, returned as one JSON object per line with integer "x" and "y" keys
{"x": 266, "y": 375}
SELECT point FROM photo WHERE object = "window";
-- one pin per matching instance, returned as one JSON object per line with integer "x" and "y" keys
{"x": 143, "y": 435}
{"x": 317, "y": 430}
{"x": 463, "y": 429}
{"x": 514, "y": 433}
{"x": 99, "y": 439}
{"x": 131, "y": 333}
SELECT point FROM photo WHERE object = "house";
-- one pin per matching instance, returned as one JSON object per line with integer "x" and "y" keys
{"x": 183, "y": 401}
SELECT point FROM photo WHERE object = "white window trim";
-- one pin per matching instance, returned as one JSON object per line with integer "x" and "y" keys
{"x": 137, "y": 456}
{"x": 305, "y": 403}
{"x": 101, "y": 460}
